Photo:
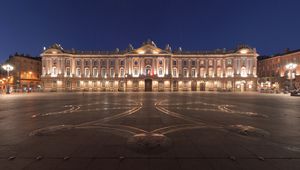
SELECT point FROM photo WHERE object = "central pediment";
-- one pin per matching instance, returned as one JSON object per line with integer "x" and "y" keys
{"x": 150, "y": 48}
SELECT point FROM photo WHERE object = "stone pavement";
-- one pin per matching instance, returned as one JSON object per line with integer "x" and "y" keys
{"x": 149, "y": 131}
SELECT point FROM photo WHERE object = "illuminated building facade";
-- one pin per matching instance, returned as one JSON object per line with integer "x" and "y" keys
{"x": 149, "y": 68}
{"x": 275, "y": 74}
{"x": 25, "y": 76}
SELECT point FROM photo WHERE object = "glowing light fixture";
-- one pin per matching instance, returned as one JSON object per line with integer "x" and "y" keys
{"x": 244, "y": 51}
{"x": 141, "y": 52}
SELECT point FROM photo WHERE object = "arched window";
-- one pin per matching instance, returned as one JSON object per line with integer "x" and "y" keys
{"x": 243, "y": 72}
{"x": 86, "y": 72}
{"x": 103, "y": 73}
{"x": 122, "y": 72}
{"x": 95, "y": 72}
{"x": 112, "y": 72}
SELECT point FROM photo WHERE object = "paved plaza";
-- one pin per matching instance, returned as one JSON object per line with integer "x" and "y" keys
{"x": 116, "y": 131}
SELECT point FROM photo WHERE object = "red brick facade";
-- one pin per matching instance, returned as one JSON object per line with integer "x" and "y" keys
{"x": 273, "y": 74}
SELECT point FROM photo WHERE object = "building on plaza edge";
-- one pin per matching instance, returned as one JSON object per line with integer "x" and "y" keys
{"x": 25, "y": 77}
{"x": 275, "y": 73}
{"x": 149, "y": 68}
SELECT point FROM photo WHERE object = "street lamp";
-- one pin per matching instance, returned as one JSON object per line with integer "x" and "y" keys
{"x": 8, "y": 68}
{"x": 290, "y": 67}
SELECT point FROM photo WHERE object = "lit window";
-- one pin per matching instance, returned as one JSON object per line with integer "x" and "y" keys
{"x": 68, "y": 71}
{"x": 243, "y": 72}
{"x": 185, "y": 73}
{"x": 112, "y": 72}
{"x": 122, "y": 72}
{"x": 193, "y": 73}
{"x": 174, "y": 72}
{"x": 54, "y": 71}
{"x": 103, "y": 72}
{"x": 95, "y": 72}
{"x": 86, "y": 72}
{"x": 135, "y": 72}
{"x": 229, "y": 72}
{"x": 219, "y": 72}
{"x": 210, "y": 72}
{"x": 160, "y": 71}
{"x": 229, "y": 61}
{"x": 78, "y": 74}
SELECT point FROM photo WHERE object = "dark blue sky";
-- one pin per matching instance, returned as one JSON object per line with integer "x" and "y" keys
{"x": 28, "y": 25}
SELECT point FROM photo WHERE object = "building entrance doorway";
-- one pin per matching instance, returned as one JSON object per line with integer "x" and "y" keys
{"x": 148, "y": 84}
{"x": 243, "y": 87}
{"x": 194, "y": 86}
{"x": 175, "y": 85}
{"x": 202, "y": 86}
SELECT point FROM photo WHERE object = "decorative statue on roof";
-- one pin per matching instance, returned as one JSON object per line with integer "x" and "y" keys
{"x": 130, "y": 47}
{"x": 168, "y": 48}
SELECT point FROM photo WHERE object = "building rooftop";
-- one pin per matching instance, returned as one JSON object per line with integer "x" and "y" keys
{"x": 287, "y": 51}
{"x": 148, "y": 47}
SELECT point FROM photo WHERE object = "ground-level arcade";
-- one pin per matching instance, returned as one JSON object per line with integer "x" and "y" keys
{"x": 150, "y": 84}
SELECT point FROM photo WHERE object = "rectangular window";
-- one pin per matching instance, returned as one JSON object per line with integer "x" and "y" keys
{"x": 112, "y": 62}
{"x": 103, "y": 73}
{"x": 160, "y": 71}
{"x": 193, "y": 73}
{"x": 95, "y": 63}
{"x": 174, "y": 62}
{"x": 122, "y": 72}
{"x": 68, "y": 71}
{"x": 54, "y": 71}
{"x": 112, "y": 72}
{"x": 193, "y": 63}
{"x": 174, "y": 72}
{"x": 78, "y": 73}
{"x": 95, "y": 72}
{"x": 86, "y": 62}
{"x": 67, "y": 62}
{"x": 78, "y": 62}
{"x": 229, "y": 61}
{"x": 185, "y": 73}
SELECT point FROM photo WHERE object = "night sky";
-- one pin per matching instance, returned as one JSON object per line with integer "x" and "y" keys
{"x": 26, "y": 26}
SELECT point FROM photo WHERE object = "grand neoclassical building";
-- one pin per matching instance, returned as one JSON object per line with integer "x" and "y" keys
{"x": 149, "y": 68}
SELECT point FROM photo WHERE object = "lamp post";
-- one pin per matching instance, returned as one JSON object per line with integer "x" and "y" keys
{"x": 8, "y": 68}
{"x": 290, "y": 67}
